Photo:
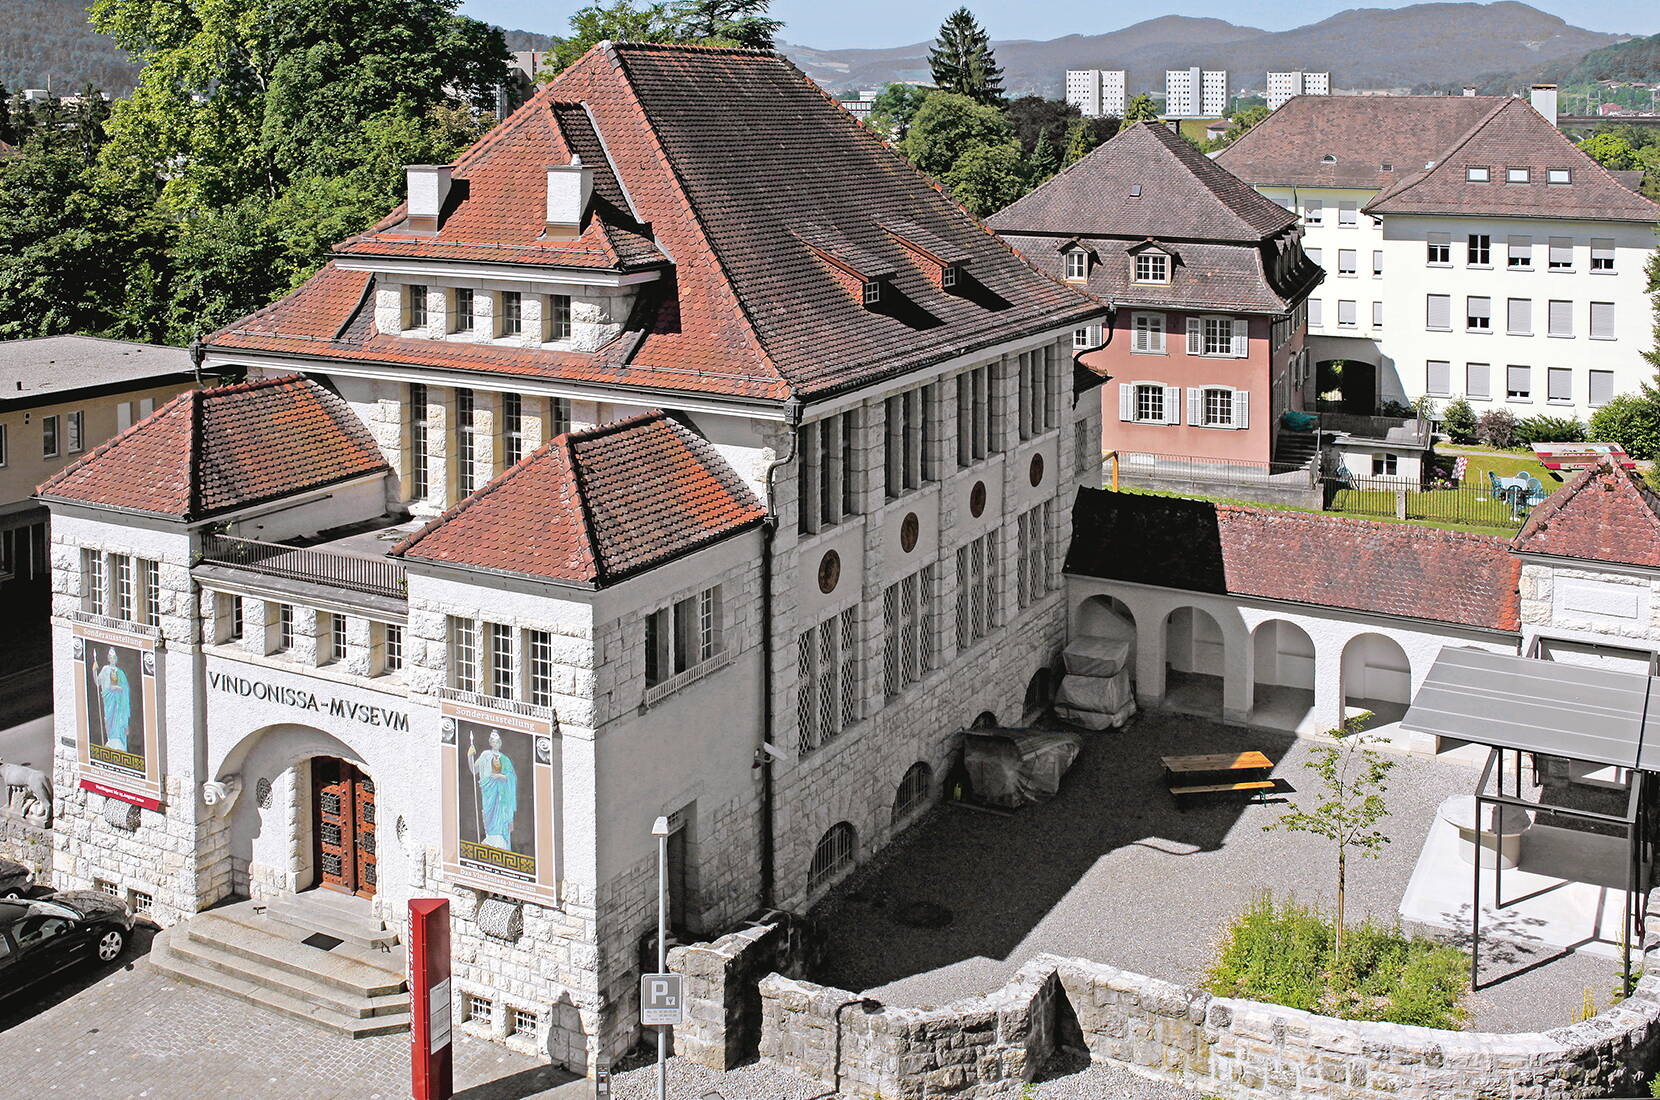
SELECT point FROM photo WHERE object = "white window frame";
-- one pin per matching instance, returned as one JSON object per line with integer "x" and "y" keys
{"x": 1478, "y": 173}
{"x": 1430, "y": 388}
{"x": 1513, "y": 393}
{"x": 74, "y": 428}
{"x": 1592, "y": 379}
{"x": 1077, "y": 265}
{"x": 1591, "y": 326}
{"x": 51, "y": 437}
{"x": 1348, "y": 263}
{"x": 1559, "y": 176}
{"x": 1552, "y": 376}
{"x": 1517, "y": 175}
{"x": 1147, "y": 333}
{"x": 1602, "y": 256}
{"x": 1438, "y": 250}
{"x": 559, "y": 316}
{"x": 1157, "y": 268}
{"x": 1518, "y": 253}
{"x": 1510, "y": 320}
{"x": 1472, "y": 318}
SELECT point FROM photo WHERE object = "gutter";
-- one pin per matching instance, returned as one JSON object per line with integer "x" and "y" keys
{"x": 765, "y": 753}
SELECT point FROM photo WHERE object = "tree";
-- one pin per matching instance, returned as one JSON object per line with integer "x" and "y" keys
{"x": 737, "y": 22}
{"x": 1459, "y": 421}
{"x": 1033, "y": 117}
{"x": 962, "y": 62}
{"x": 1139, "y": 109}
{"x": 986, "y": 178}
{"x": 1610, "y": 151}
{"x": 894, "y": 108}
{"x": 1354, "y": 779}
{"x": 621, "y": 22}
{"x": 947, "y": 126}
{"x": 1633, "y": 421}
{"x": 1045, "y": 160}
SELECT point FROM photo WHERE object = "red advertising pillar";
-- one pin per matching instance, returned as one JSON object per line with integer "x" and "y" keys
{"x": 429, "y": 1000}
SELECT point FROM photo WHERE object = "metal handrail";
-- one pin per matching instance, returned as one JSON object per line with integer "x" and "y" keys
{"x": 374, "y": 576}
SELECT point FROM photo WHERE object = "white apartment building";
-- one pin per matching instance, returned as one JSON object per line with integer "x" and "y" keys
{"x": 1470, "y": 249}
{"x": 1195, "y": 93}
{"x": 1282, "y": 86}
{"x": 1097, "y": 93}
{"x": 553, "y": 508}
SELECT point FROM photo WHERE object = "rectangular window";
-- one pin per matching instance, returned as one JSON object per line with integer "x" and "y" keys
{"x": 1516, "y": 175}
{"x": 1315, "y": 254}
{"x": 393, "y": 658}
{"x": 1602, "y": 320}
{"x": 151, "y": 577}
{"x": 1602, "y": 387}
{"x": 1314, "y": 212}
{"x": 466, "y": 450}
{"x": 827, "y": 679}
{"x": 474, "y": 1007}
{"x": 1439, "y": 250}
{"x": 1345, "y": 314}
{"x": 559, "y": 417}
{"x": 1385, "y": 465}
{"x": 1438, "y": 378}
{"x": 1377, "y": 263}
{"x": 539, "y": 667}
{"x": 4, "y": 450}
{"x": 75, "y": 427}
{"x": 1478, "y": 314}
{"x": 464, "y": 315}
{"x": 1518, "y": 383}
{"x": 285, "y": 627}
{"x": 1519, "y": 253}
{"x": 1558, "y": 175}
{"x": 682, "y": 636}
{"x": 1218, "y": 408}
{"x": 1348, "y": 214}
{"x": 1559, "y": 385}
{"x": 1478, "y": 250}
{"x": 1438, "y": 312}
{"x": 1077, "y": 265}
{"x": 902, "y": 443}
{"x": 1149, "y": 404}
{"x": 122, "y": 565}
{"x": 522, "y": 1021}
{"x": 1561, "y": 254}
{"x": 512, "y": 313}
{"x": 418, "y": 487}
{"x": 463, "y": 654}
{"x": 1217, "y": 336}
{"x": 236, "y": 627}
{"x": 1476, "y": 382}
{"x": 1152, "y": 267}
{"x": 94, "y": 595}
{"x": 337, "y": 638}
{"x": 825, "y": 476}
{"x": 512, "y": 428}
{"x": 1036, "y": 416}
{"x": 1032, "y": 555}
{"x": 1560, "y": 318}
{"x": 1347, "y": 261}
{"x": 1602, "y": 257}
{"x": 1316, "y": 313}
{"x": 976, "y": 589}
{"x": 1081, "y": 338}
{"x": 907, "y": 631}
{"x": 417, "y": 299}
{"x": 1147, "y": 333}
{"x": 974, "y": 434}
{"x": 1377, "y": 314}
{"x": 501, "y": 661}
{"x": 559, "y": 316}
{"x": 872, "y": 292}
{"x": 1518, "y": 316}
{"x": 49, "y": 443}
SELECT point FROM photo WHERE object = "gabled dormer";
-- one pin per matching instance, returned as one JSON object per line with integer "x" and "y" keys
{"x": 943, "y": 262}
{"x": 865, "y": 276}
{"x": 1077, "y": 259}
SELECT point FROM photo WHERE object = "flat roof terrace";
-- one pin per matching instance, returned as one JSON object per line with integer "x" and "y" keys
{"x": 350, "y": 559}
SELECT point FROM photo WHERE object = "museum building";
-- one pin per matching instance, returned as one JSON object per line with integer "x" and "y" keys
{"x": 678, "y": 451}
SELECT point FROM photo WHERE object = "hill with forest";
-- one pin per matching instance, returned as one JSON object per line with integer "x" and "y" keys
{"x": 50, "y": 43}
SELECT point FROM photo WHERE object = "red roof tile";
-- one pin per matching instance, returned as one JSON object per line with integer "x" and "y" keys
{"x": 1382, "y": 568}
{"x": 594, "y": 507}
{"x": 1601, "y": 515}
{"x": 215, "y": 450}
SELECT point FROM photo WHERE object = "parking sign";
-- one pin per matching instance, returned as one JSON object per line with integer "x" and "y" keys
{"x": 660, "y": 1001}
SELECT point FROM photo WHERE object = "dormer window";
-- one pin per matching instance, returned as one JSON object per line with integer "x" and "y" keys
{"x": 1559, "y": 175}
{"x": 1516, "y": 175}
{"x": 1476, "y": 173}
{"x": 415, "y": 307}
{"x": 948, "y": 277}
{"x": 872, "y": 292}
{"x": 1152, "y": 267}
{"x": 1077, "y": 265}
{"x": 1329, "y": 158}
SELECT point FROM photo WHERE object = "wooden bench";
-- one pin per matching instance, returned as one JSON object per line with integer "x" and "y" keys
{"x": 1216, "y": 762}
{"x": 1252, "y": 787}
{"x": 1241, "y": 772}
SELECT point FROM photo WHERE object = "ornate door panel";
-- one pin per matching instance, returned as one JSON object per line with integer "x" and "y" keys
{"x": 345, "y": 827}
{"x": 363, "y": 832}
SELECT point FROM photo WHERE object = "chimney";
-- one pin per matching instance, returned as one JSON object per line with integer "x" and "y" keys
{"x": 569, "y": 188}
{"x": 1543, "y": 99}
{"x": 1469, "y": 89}
{"x": 429, "y": 186}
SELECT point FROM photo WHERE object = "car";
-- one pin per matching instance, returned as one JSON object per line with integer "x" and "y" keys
{"x": 14, "y": 880}
{"x": 44, "y": 937}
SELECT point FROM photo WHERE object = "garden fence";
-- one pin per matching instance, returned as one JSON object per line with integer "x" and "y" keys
{"x": 1473, "y": 505}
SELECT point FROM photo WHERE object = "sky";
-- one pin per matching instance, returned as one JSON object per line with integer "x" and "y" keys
{"x": 875, "y": 23}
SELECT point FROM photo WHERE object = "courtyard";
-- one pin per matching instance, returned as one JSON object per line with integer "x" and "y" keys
{"x": 1110, "y": 870}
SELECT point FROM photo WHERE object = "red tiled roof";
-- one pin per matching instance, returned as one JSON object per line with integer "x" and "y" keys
{"x": 215, "y": 450}
{"x": 1383, "y": 568}
{"x": 1601, "y": 515}
{"x": 594, "y": 507}
{"x": 1516, "y": 136}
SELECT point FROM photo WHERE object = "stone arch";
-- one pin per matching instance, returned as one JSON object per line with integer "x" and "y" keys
{"x": 1282, "y": 671}
{"x": 1376, "y": 677}
{"x": 1195, "y": 655}
{"x": 911, "y": 796}
{"x": 1040, "y": 693}
{"x": 984, "y": 720}
{"x": 835, "y": 855}
{"x": 1105, "y": 616}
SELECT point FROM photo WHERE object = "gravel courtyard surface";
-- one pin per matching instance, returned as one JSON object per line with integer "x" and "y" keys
{"x": 1111, "y": 871}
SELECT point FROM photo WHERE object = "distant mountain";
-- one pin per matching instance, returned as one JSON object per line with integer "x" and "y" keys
{"x": 527, "y": 40}
{"x": 52, "y": 40}
{"x": 1363, "y": 47}
{"x": 1638, "y": 59}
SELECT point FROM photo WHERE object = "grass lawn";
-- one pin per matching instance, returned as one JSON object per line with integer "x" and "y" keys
{"x": 1193, "y": 129}
{"x": 1499, "y": 529}
{"x": 1503, "y": 463}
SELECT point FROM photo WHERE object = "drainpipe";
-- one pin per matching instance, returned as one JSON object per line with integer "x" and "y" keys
{"x": 764, "y": 753}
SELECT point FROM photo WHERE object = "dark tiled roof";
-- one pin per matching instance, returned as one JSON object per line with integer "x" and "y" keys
{"x": 1361, "y": 133}
{"x": 725, "y": 156}
{"x": 1601, "y": 515}
{"x": 594, "y": 507}
{"x": 215, "y": 450}
{"x": 1516, "y": 136}
{"x": 1146, "y": 182}
{"x": 1388, "y": 569}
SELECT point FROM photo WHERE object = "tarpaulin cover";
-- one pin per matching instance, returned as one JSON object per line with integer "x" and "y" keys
{"x": 1094, "y": 655}
{"x": 1014, "y": 768}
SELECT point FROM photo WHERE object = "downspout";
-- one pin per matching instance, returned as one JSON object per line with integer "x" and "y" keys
{"x": 765, "y": 753}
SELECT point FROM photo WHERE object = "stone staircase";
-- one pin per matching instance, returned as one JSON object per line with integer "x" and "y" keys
{"x": 1294, "y": 448}
{"x": 349, "y": 976}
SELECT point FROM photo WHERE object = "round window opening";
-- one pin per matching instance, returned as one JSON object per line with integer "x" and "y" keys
{"x": 1036, "y": 473}
{"x": 977, "y": 499}
{"x": 829, "y": 571}
{"x": 909, "y": 529}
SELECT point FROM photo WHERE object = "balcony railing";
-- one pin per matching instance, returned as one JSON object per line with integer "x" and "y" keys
{"x": 1390, "y": 429}
{"x": 372, "y": 576}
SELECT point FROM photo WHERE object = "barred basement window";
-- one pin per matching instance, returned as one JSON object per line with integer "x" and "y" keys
{"x": 976, "y": 589}
{"x": 832, "y": 857}
{"x": 908, "y": 631}
{"x": 474, "y": 1007}
{"x": 285, "y": 627}
{"x": 93, "y": 596}
{"x": 913, "y": 791}
{"x": 1032, "y": 555}
{"x": 105, "y": 886}
{"x": 141, "y": 903}
{"x": 152, "y": 593}
{"x": 522, "y": 1021}
{"x": 539, "y": 661}
{"x": 501, "y": 661}
{"x": 463, "y": 654}
{"x": 827, "y": 669}
{"x": 394, "y": 648}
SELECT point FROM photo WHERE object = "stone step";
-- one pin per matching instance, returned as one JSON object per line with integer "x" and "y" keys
{"x": 354, "y": 969}
{"x": 314, "y": 911}
{"x": 186, "y": 965}
{"x": 299, "y": 987}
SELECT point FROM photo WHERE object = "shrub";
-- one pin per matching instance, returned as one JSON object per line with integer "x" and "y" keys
{"x": 1459, "y": 421}
{"x": 1633, "y": 421}
{"x": 1398, "y": 409}
{"x": 1549, "y": 429}
{"x": 1282, "y": 953}
{"x": 1497, "y": 428}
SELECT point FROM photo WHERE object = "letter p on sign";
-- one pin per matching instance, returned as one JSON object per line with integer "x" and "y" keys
{"x": 660, "y": 1002}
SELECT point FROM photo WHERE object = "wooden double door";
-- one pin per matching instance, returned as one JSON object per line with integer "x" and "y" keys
{"x": 343, "y": 821}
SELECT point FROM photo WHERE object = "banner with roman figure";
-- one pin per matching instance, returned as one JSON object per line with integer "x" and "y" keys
{"x": 499, "y": 808}
{"x": 117, "y": 707}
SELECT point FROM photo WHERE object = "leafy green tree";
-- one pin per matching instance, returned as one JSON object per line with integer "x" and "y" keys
{"x": 986, "y": 178}
{"x": 1033, "y": 116}
{"x": 1610, "y": 151}
{"x": 739, "y": 22}
{"x": 894, "y": 108}
{"x": 961, "y": 60}
{"x": 1633, "y": 421}
{"x": 1077, "y": 144}
{"x": 1139, "y": 109}
{"x": 620, "y": 22}
{"x": 1459, "y": 421}
{"x": 1353, "y": 781}
{"x": 947, "y": 126}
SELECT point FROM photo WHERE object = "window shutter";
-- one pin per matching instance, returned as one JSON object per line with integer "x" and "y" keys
{"x": 1602, "y": 320}
{"x": 1155, "y": 334}
{"x": 1195, "y": 336}
{"x": 1561, "y": 318}
{"x": 1172, "y": 404}
{"x": 1438, "y": 311}
{"x": 1195, "y": 405}
{"x": 1241, "y": 337}
{"x": 1241, "y": 408}
{"x": 1126, "y": 401}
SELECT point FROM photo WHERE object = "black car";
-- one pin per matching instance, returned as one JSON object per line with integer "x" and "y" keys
{"x": 14, "y": 880}
{"x": 41, "y": 938}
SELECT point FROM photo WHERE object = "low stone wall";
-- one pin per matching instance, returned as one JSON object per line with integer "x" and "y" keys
{"x": 720, "y": 987}
{"x": 1287, "y": 492}
{"x": 27, "y": 841}
{"x": 987, "y": 1046}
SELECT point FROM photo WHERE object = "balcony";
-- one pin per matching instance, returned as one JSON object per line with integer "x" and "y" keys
{"x": 346, "y": 564}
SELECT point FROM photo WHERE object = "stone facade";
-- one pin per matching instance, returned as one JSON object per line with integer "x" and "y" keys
{"x": 26, "y": 841}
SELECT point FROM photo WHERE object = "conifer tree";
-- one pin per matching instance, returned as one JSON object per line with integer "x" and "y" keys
{"x": 962, "y": 61}
{"x": 1138, "y": 109}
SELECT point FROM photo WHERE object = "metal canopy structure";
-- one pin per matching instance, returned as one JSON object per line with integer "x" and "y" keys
{"x": 1536, "y": 708}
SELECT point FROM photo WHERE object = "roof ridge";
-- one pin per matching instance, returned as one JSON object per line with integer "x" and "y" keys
{"x": 472, "y": 498}
{"x": 1446, "y": 155}
{"x": 612, "y": 427}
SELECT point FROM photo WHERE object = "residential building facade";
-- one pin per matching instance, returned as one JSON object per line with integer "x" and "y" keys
{"x": 1195, "y": 93}
{"x": 612, "y": 477}
{"x": 1471, "y": 250}
{"x": 1283, "y": 86}
{"x": 1097, "y": 93}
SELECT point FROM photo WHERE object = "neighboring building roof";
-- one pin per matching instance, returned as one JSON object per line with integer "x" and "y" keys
{"x": 1516, "y": 136}
{"x": 215, "y": 450}
{"x": 593, "y": 507}
{"x": 1359, "y": 565}
{"x": 1147, "y": 181}
{"x": 1360, "y": 133}
{"x": 51, "y": 367}
{"x": 725, "y": 157}
{"x": 1601, "y": 515}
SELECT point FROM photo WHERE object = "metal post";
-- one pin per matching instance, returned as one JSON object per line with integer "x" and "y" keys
{"x": 660, "y": 830}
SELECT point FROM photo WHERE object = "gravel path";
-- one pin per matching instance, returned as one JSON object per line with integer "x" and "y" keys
{"x": 1109, "y": 870}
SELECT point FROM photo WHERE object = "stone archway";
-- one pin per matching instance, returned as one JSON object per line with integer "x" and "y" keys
{"x": 1195, "y": 661}
{"x": 1282, "y": 670}
{"x": 1377, "y": 677}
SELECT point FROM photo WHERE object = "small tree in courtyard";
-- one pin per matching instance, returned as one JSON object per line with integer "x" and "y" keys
{"x": 1354, "y": 779}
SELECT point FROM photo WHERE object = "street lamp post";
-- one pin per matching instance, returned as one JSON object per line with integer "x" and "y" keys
{"x": 660, "y": 830}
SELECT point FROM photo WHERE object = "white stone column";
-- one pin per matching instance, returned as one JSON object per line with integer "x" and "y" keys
{"x": 1238, "y": 676}
{"x": 1328, "y": 682}
{"x": 1150, "y": 657}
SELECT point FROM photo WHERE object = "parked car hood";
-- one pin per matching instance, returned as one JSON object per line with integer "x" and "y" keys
{"x": 90, "y": 903}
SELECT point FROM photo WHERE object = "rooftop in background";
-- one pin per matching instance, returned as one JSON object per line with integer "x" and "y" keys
{"x": 51, "y": 366}
{"x": 1603, "y": 514}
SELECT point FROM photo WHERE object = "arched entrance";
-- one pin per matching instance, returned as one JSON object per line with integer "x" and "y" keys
{"x": 1347, "y": 386}
{"x": 1108, "y": 617}
{"x": 1194, "y": 661}
{"x": 343, "y": 827}
{"x": 1283, "y": 675}
{"x": 1377, "y": 677}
